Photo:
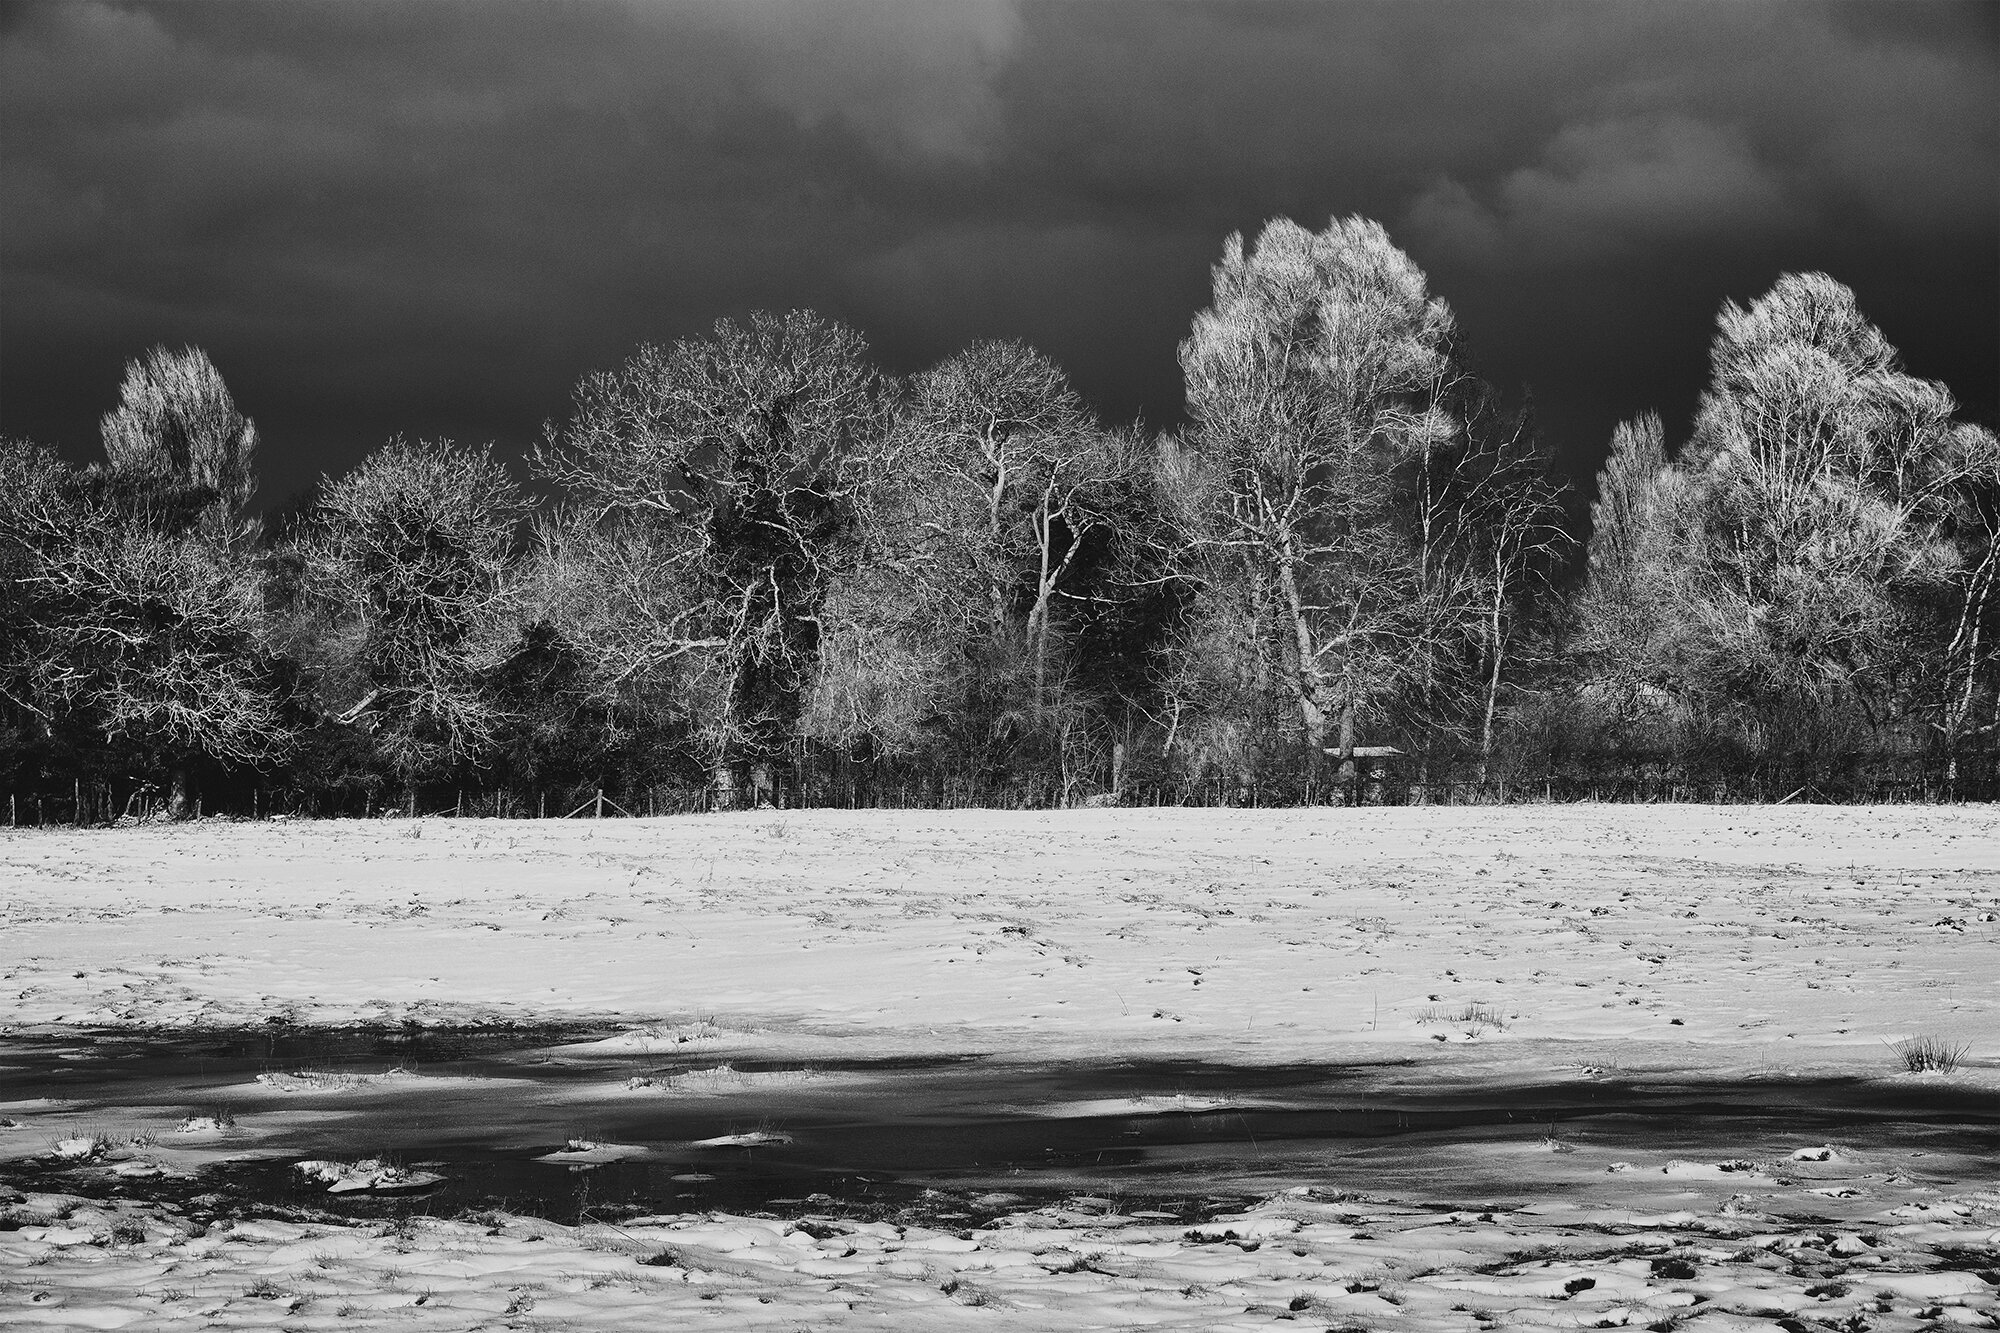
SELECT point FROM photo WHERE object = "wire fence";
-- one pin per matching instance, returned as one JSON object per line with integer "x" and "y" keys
{"x": 1845, "y": 779}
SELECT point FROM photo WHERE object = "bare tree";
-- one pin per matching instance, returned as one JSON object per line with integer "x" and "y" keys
{"x": 1776, "y": 580}
{"x": 1636, "y": 597}
{"x": 913, "y": 590}
{"x": 891, "y": 667}
{"x": 1216, "y": 673}
{"x": 407, "y": 556}
{"x": 627, "y": 602}
{"x": 1971, "y": 647}
{"x": 1508, "y": 541}
{"x": 38, "y": 515}
{"x": 1021, "y": 481}
{"x": 1314, "y": 376}
{"x": 1623, "y": 528}
{"x": 150, "y": 619}
{"x": 1826, "y": 474}
{"x": 729, "y": 468}
{"x": 132, "y": 624}
{"x": 164, "y": 642}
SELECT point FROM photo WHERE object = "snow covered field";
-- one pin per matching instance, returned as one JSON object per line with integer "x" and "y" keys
{"x": 1787, "y": 933}
{"x": 1488, "y": 946}
{"x": 1306, "y": 1260}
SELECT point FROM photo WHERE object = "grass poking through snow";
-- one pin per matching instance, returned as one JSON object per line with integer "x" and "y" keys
{"x": 1924, "y": 1054}
{"x": 1472, "y": 1016}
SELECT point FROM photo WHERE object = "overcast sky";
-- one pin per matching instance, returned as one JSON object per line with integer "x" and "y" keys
{"x": 433, "y": 218}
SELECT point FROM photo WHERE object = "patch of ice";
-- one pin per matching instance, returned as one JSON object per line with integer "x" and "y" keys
{"x": 1734, "y": 1169}
{"x": 589, "y": 1152}
{"x": 370, "y": 1174}
{"x": 756, "y": 1138}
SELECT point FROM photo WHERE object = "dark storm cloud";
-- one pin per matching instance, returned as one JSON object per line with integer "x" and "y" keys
{"x": 433, "y": 218}
{"x": 1586, "y": 183}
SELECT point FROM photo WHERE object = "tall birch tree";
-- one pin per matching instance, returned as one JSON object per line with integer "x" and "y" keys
{"x": 1313, "y": 378}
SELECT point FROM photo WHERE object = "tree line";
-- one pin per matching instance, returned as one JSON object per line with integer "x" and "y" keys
{"x": 751, "y": 564}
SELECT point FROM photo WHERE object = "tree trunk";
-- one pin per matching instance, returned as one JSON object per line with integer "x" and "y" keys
{"x": 725, "y": 786}
{"x": 180, "y": 792}
{"x": 1305, "y": 677}
{"x": 1038, "y": 630}
{"x": 996, "y": 498}
{"x": 1972, "y": 615}
{"x": 1347, "y": 742}
{"x": 1047, "y": 579}
{"x": 1492, "y": 682}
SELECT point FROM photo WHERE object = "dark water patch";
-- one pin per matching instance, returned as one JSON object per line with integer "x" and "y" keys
{"x": 484, "y": 1183}
{"x": 115, "y": 1053}
{"x": 884, "y": 1135}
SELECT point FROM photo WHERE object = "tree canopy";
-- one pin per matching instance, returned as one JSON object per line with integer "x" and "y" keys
{"x": 752, "y": 565}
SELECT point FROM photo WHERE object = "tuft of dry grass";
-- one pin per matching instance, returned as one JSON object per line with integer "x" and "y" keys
{"x": 312, "y": 1078}
{"x": 1471, "y": 1015}
{"x": 83, "y": 1147}
{"x": 1925, "y": 1054}
{"x": 264, "y": 1289}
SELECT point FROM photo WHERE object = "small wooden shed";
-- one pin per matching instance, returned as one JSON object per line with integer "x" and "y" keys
{"x": 1372, "y": 767}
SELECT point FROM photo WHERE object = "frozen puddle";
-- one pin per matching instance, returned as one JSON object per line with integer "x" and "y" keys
{"x": 269, "y": 1180}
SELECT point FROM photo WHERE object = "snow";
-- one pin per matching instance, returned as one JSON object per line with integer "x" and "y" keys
{"x": 1262, "y": 935}
{"x": 756, "y": 1138}
{"x": 589, "y": 1152}
{"x": 1327, "y": 1258}
{"x": 370, "y": 1173}
{"x": 1541, "y": 943}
